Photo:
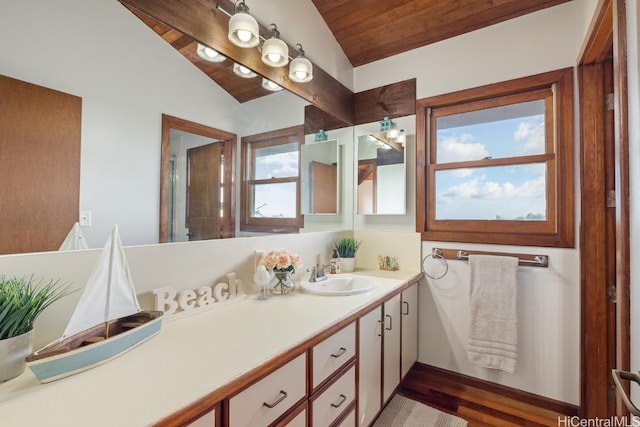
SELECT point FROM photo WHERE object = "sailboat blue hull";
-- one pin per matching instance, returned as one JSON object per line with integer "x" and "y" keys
{"x": 86, "y": 357}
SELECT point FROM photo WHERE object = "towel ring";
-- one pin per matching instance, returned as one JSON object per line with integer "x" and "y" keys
{"x": 436, "y": 254}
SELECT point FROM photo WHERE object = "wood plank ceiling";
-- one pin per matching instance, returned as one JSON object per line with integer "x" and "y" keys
{"x": 368, "y": 30}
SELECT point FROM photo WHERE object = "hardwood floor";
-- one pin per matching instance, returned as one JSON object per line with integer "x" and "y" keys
{"x": 482, "y": 403}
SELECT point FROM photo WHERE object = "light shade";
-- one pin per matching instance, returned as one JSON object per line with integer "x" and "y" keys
{"x": 300, "y": 69}
{"x": 208, "y": 54}
{"x": 275, "y": 52}
{"x": 269, "y": 85}
{"x": 243, "y": 28}
{"x": 242, "y": 71}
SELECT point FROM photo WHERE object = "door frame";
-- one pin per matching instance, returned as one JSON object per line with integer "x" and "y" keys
{"x": 607, "y": 32}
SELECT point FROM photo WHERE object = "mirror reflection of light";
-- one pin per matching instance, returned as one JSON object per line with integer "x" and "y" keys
{"x": 269, "y": 85}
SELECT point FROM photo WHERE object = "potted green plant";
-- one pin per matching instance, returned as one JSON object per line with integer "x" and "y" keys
{"x": 347, "y": 248}
{"x": 21, "y": 302}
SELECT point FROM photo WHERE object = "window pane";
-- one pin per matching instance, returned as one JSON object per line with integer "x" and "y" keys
{"x": 506, "y": 131}
{"x": 515, "y": 192}
{"x": 274, "y": 200}
{"x": 277, "y": 161}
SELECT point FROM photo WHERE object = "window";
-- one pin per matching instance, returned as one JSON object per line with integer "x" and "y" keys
{"x": 497, "y": 163}
{"x": 271, "y": 181}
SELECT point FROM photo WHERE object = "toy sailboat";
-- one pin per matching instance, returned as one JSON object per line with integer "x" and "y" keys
{"x": 107, "y": 321}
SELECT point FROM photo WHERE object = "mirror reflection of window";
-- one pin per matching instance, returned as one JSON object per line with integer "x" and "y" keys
{"x": 271, "y": 181}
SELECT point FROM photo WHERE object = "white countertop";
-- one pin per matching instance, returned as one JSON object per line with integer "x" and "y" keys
{"x": 189, "y": 359}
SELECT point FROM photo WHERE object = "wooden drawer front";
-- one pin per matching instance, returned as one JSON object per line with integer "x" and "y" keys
{"x": 333, "y": 353}
{"x": 281, "y": 389}
{"x": 299, "y": 420}
{"x": 334, "y": 400}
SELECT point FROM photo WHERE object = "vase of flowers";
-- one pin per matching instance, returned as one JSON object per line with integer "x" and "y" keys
{"x": 282, "y": 264}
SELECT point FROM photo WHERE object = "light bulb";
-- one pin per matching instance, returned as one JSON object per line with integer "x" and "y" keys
{"x": 244, "y": 35}
{"x": 300, "y": 75}
{"x": 274, "y": 57}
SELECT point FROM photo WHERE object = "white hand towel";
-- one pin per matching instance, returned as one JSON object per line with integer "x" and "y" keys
{"x": 493, "y": 336}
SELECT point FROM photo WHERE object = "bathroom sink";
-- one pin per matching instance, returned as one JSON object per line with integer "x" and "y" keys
{"x": 341, "y": 284}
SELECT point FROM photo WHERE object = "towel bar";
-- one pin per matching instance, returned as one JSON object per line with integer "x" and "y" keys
{"x": 527, "y": 260}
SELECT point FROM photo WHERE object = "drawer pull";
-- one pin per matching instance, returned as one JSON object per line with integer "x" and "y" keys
{"x": 339, "y": 353}
{"x": 343, "y": 398}
{"x": 406, "y": 304}
{"x": 283, "y": 396}
{"x": 380, "y": 324}
{"x": 390, "y": 322}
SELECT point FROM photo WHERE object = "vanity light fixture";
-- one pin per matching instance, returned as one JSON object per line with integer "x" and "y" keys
{"x": 242, "y": 71}
{"x": 243, "y": 28}
{"x": 300, "y": 69}
{"x": 208, "y": 54}
{"x": 269, "y": 85}
{"x": 275, "y": 52}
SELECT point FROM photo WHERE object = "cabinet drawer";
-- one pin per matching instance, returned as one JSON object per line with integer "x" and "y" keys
{"x": 263, "y": 402}
{"x": 349, "y": 420}
{"x": 332, "y": 353}
{"x": 327, "y": 406}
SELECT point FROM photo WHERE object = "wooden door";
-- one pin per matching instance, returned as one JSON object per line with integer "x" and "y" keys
{"x": 324, "y": 188}
{"x": 40, "y": 154}
{"x": 203, "y": 191}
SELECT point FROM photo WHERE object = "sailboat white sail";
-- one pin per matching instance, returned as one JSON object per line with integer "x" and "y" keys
{"x": 99, "y": 303}
{"x": 75, "y": 240}
{"x": 107, "y": 320}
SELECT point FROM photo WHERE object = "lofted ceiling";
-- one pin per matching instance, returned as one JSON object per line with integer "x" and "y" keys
{"x": 367, "y": 31}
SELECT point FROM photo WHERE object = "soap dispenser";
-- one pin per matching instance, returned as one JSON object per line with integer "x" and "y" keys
{"x": 335, "y": 262}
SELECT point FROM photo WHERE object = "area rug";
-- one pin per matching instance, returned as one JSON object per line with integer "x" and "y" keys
{"x": 403, "y": 412}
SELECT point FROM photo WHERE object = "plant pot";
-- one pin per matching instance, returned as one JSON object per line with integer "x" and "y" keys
{"x": 12, "y": 354}
{"x": 347, "y": 265}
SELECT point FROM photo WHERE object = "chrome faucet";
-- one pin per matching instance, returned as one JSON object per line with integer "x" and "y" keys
{"x": 318, "y": 273}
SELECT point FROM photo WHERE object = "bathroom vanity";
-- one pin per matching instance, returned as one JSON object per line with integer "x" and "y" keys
{"x": 297, "y": 360}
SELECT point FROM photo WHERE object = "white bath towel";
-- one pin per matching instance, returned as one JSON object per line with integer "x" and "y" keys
{"x": 493, "y": 336}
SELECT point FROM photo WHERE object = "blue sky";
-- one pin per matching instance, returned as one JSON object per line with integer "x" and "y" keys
{"x": 507, "y": 192}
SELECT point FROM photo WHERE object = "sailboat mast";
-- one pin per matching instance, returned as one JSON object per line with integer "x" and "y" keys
{"x": 107, "y": 306}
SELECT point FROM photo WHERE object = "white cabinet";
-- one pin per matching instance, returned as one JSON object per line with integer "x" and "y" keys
{"x": 333, "y": 353}
{"x": 265, "y": 401}
{"x": 391, "y": 344}
{"x": 332, "y": 402}
{"x": 370, "y": 363}
{"x": 409, "y": 308}
{"x": 207, "y": 420}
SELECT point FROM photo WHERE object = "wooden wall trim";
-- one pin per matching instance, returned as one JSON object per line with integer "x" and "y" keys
{"x": 393, "y": 100}
{"x": 623, "y": 210}
{"x": 452, "y": 391}
{"x": 200, "y": 20}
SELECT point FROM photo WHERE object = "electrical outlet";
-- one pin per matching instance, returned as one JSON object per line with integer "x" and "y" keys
{"x": 85, "y": 219}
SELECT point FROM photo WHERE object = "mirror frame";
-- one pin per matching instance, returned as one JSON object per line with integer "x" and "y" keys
{"x": 229, "y": 150}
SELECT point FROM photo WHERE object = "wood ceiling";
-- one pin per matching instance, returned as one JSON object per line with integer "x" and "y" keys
{"x": 370, "y": 30}
{"x": 367, "y": 31}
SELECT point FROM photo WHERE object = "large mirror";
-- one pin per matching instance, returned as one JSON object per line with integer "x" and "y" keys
{"x": 126, "y": 83}
{"x": 320, "y": 178}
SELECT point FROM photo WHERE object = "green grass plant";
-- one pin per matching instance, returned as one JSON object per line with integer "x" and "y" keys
{"x": 22, "y": 301}
{"x": 347, "y": 247}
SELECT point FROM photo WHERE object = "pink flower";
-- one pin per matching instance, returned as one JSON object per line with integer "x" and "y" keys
{"x": 283, "y": 260}
{"x": 280, "y": 260}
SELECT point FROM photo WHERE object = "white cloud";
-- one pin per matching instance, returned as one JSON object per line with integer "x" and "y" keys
{"x": 459, "y": 149}
{"x": 533, "y": 137}
{"x": 475, "y": 189}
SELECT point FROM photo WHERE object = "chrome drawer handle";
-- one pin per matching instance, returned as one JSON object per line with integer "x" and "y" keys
{"x": 339, "y": 353}
{"x": 617, "y": 375}
{"x": 380, "y": 324}
{"x": 406, "y": 304}
{"x": 343, "y": 398}
{"x": 280, "y": 399}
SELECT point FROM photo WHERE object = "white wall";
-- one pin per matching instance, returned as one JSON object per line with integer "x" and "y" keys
{"x": 633, "y": 40}
{"x": 548, "y": 299}
{"x": 127, "y": 77}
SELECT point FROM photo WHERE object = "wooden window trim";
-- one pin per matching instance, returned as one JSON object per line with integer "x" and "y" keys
{"x": 262, "y": 140}
{"x": 558, "y": 230}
